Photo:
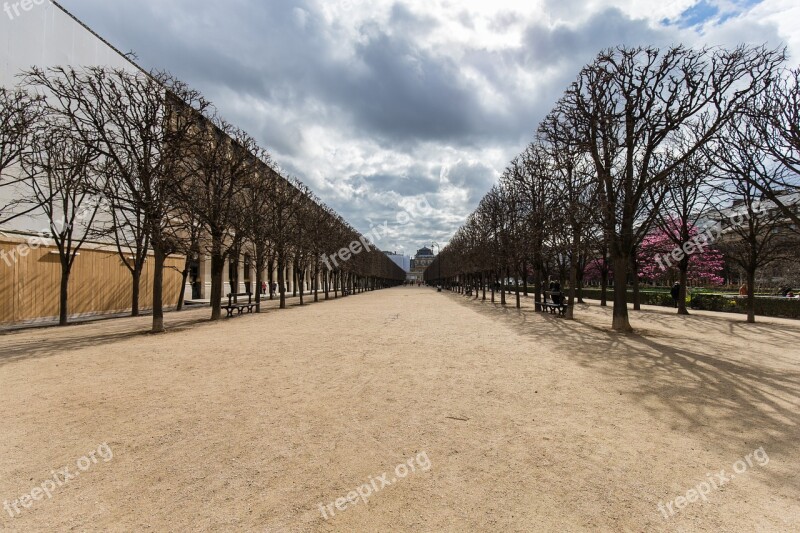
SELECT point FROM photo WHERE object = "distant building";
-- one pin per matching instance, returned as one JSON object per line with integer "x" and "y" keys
{"x": 784, "y": 271}
{"x": 421, "y": 261}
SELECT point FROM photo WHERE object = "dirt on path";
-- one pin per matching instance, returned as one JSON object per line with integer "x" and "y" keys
{"x": 502, "y": 420}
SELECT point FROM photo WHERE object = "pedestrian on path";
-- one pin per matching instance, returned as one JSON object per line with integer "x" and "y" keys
{"x": 676, "y": 293}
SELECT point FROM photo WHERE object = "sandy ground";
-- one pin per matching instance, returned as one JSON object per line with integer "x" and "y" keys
{"x": 513, "y": 421}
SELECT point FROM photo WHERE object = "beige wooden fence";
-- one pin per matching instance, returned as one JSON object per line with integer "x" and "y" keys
{"x": 30, "y": 279}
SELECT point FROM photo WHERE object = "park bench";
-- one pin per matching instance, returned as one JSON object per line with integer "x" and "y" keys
{"x": 239, "y": 306}
{"x": 554, "y": 308}
{"x": 560, "y": 309}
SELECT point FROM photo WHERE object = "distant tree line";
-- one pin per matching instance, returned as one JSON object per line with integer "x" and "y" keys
{"x": 143, "y": 160}
{"x": 643, "y": 149}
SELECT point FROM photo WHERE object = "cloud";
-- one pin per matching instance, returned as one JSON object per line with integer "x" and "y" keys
{"x": 377, "y": 104}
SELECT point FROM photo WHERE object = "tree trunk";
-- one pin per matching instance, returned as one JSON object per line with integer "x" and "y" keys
{"x": 637, "y": 303}
{"x": 233, "y": 273}
{"x": 573, "y": 279}
{"x": 282, "y": 282}
{"x": 217, "y": 267}
{"x": 158, "y": 289}
{"x": 63, "y": 295}
{"x": 294, "y": 279}
{"x": 184, "y": 277}
{"x": 620, "y": 322}
{"x": 751, "y": 295}
{"x": 301, "y": 275}
{"x": 483, "y": 284}
{"x": 684, "y": 267}
{"x": 271, "y": 276}
{"x": 316, "y": 282}
{"x": 604, "y": 283}
{"x": 259, "y": 278}
{"x": 136, "y": 276}
{"x": 524, "y": 280}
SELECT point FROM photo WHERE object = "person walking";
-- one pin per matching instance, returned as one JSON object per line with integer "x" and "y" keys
{"x": 676, "y": 293}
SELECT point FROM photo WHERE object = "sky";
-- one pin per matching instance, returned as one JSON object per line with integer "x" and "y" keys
{"x": 401, "y": 115}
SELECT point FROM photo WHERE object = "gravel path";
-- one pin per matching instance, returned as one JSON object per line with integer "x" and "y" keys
{"x": 504, "y": 420}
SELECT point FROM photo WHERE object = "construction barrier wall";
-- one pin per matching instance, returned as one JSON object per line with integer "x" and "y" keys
{"x": 100, "y": 284}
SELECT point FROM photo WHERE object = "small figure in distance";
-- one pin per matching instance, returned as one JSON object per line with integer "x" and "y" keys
{"x": 676, "y": 292}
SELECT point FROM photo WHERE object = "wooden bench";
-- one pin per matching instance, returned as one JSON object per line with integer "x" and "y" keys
{"x": 239, "y": 306}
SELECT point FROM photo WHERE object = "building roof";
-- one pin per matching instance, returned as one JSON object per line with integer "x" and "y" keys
{"x": 424, "y": 252}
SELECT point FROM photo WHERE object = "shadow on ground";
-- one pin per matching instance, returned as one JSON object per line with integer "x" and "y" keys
{"x": 732, "y": 384}
{"x": 40, "y": 342}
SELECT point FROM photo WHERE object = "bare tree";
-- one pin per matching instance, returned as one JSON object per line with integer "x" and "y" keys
{"x": 141, "y": 124}
{"x": 630, "y": 104}
{"x": 219, "y": 167}
{"x": 775, "y": 116}
{"x": 20, "y": 112}
{"x": 284, "y": 198}
{"x": 315, "y": 221}
{"x": 684, "y": 205}
{"x": 302, "y": 245}
{"x": 576, "y": 191}
{"x": 750, "y": 231}
{"x": 256, "y": 209}
{"x": 58, "y": 168}
{"x": 127, "y": 227}
{"x": 189, "y": 240}
{"x": 537, "y": 188}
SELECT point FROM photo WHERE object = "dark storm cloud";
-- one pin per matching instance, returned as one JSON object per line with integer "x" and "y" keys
{"x": 408, "y": 94}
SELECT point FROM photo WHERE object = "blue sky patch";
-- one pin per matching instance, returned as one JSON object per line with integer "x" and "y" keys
{"x": 697, "y": 14}
{"x": 709, "y": 10}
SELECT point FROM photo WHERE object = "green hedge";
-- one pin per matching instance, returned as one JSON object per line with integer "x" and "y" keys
{"x": 764, "y": 306}
{"x": 645, "y": 297}
{"x": 726, "y": 303}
